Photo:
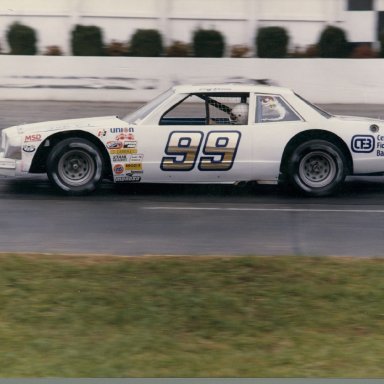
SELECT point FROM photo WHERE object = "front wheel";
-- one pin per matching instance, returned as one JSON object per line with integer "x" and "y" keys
{"x": 317, "y": 168}
{"x": 75, "y": 166}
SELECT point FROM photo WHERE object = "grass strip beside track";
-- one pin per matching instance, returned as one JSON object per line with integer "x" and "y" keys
{"x": 63, "y": 316}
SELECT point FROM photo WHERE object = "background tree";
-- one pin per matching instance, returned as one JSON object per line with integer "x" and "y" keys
{"x": 272, "y": 42}
{"x": 87, "y": 41}
{"x": 21, "y": 39}
{"x": 333, "y": 43}
{"x": 146, "y": 43}
{"x": 208, "y": 43}
{"x": 381, "y": 51}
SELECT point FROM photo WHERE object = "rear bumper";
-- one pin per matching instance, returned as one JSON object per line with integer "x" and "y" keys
{"x": 9, "y": 167}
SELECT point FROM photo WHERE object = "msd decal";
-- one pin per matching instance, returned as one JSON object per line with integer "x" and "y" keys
{"x": 29, "y": 138}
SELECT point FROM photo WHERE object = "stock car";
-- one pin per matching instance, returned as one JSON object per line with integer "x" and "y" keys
{"x": 213, "y": 133}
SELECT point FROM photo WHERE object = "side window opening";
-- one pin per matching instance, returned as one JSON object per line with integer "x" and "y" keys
{"x": 272, "y": 108}
{"x": 209, "y": 109}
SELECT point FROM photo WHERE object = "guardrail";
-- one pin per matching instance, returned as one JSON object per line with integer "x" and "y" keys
{"x": 140, "y": 79}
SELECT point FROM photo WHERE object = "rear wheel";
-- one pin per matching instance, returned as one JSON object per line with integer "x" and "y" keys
{"x": 317, "y": 168}
{"x": 75, "y": 166}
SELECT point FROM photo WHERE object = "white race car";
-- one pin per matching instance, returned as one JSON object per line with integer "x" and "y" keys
{"x": 221, "y": 133}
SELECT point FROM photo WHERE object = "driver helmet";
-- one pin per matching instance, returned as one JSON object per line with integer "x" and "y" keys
{"x": 268, "y": 102}
{"x": 239, "y": 114}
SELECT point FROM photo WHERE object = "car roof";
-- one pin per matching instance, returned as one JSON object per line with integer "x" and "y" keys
{"x": 231, "y": 87}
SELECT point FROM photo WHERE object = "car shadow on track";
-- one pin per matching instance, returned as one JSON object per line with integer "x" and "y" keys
{"x": 39, "y": 186}
{"x": 360, "y": 188}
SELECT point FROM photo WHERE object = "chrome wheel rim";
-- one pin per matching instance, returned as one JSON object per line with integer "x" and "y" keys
{"x": 76, "y": 168}
{"x": 317, "y": 169}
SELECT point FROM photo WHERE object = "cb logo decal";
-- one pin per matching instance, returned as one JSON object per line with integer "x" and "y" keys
{"x": 363, "y": 143}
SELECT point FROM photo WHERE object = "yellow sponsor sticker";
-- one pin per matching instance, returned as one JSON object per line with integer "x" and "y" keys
{"x": 134, "y": 167}
{"x": 127, "y": 151}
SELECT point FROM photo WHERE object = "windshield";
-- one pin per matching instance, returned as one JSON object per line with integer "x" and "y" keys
{"x": 315, "y": 107}
{"x": 138, "y": 115}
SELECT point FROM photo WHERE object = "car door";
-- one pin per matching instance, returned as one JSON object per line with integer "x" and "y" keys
{"x": 198, "y": 140}
{"x": 274, "y": 123}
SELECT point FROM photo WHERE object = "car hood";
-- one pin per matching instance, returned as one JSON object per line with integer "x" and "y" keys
{"x": 70, "y": 124}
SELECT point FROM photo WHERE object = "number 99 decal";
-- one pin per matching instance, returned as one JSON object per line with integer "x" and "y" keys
{"x": 218, "y": 153}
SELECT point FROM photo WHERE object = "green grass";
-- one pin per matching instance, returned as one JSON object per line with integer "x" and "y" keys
{"x": 63, "y": 316}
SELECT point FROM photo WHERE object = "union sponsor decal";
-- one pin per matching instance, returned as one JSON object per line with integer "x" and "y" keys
{"x": 121, "y": 130}
{"x": 116, "y": 130}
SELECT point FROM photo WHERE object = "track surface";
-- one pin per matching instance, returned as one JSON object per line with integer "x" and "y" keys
{"x": 178, "y": 220}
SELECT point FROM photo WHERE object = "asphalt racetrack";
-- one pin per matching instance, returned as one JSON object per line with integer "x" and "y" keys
{"x": 184, "y": 220}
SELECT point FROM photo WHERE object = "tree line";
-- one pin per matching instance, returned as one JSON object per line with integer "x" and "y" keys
{"x": 270, "y": 42}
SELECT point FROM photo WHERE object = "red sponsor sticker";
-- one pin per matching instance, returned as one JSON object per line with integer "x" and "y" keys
{"x": 35, "y": 137}
{"x": 114, "y": 145}
{"x": 125, "y": 136}
{"x": 118, "y": 169}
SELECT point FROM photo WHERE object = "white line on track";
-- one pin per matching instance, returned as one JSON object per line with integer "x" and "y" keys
{"x": 167, "y": 208}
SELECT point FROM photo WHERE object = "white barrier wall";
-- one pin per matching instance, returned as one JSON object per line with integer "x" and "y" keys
{"x": 238, "y": 20}
{"x": 139, "y": 79}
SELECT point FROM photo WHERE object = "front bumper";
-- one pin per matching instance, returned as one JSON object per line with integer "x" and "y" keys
{"x": 9, "y": 167}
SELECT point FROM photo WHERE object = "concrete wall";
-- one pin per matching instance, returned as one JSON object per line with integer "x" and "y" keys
{"x": 139, "y": 79}
{"x": 177, "y": 19}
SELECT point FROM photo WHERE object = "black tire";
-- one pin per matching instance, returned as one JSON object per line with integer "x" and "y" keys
{"x": 75, "y": 166}
{"x": 317, "y": 168}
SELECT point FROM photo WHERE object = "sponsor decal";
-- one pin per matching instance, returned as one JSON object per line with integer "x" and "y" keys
{"x": 133, "y": 167}
{"x": 122, "y": 151}
{"x": 119, "y": 158}
{"x": 121, "y": 130}
{"x": 102, "y": 133}
{"x": 125, "y": 136}
{"x": 363, "y": 143}
{"x": 29, "y": 138}
{"x": 29, "y": 148}
{"x": 138, "y": 158}
{"x": 380, "y": 145}
{"x": 114, "y": 145}
{"x": 116, "y": 130}
{"x": 128, "y": 178}
{"x": 118, "y": 169}
{"x": 130, "y": 144}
